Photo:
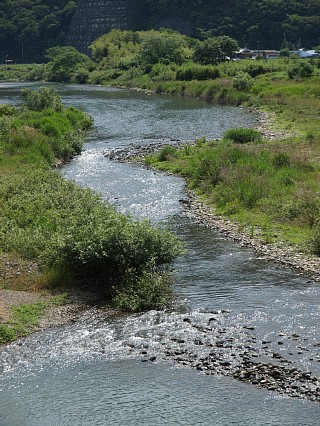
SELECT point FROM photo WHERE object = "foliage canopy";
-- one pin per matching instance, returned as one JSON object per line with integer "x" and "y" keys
{"x": 28, "y": 28}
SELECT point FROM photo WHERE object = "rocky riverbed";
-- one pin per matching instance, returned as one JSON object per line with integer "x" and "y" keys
{"x": 251, "y": 359}
{"x": 238, "y": 352}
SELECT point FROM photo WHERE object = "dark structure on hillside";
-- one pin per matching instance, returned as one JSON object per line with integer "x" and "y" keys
{"x": 94, "y": 18}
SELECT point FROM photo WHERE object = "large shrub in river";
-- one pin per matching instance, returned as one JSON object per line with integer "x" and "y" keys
{"x": 38, "y": 100}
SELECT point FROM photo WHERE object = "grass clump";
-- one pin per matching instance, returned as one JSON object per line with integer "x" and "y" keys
{"x": 25, "y": 318}
{"x": 166, "y": 152}
{"x": 7, "y": 334}
{"x": 243, "y": 135}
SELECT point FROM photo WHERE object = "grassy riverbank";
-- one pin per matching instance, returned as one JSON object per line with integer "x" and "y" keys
{"x": 269, "y": 186}
{"x": 272, "y": 187}
{"x": 56, "y": 235}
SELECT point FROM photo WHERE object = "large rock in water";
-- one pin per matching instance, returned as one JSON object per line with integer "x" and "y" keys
{"x": 94, "y": 18}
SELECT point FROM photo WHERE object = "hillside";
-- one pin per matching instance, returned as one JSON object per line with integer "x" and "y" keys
{"x": 28, "y": 27}
{"x": 248, "y": 21}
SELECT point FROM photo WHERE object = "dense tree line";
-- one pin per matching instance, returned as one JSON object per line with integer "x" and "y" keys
{"x": 28, "y": 27}
{"x": 269, "y": 22}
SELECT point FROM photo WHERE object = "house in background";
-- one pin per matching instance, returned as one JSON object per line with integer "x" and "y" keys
{"x": 265, "y": 54}
{"x": 244, "y": 53}
{"x": 255, "y": 54}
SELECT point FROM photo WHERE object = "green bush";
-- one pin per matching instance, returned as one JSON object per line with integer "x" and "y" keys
{"x": 254, "y": 70}
{"x": 7, "y": 334}
{"x": 243, "y": 135}
{"x": 301, "y": 70}
{"x": 166, "y": 151}
{"x": 67, "y": 63}
{"x": 7, "y": 110}
{"x": 304, "y": 208}
{"x": 130, "y": 74}
{"x": 69, "y": 229}
{"x": 242, "y": 81}
{"x": 150, "y": 291}
{"x": 197, "y": 72}
{"x": 44, "y": 134}
{"x": 242, "y": 185}
{"x": 314, "y": 242}
{"x": 80, "y": 76}
{"x": 162, "y": 72}
{"x": 281, "y": 160}
{"x": 45, "y": 98}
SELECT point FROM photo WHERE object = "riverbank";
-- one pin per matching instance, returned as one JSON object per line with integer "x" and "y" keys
{"x": 230, "y": 348}
{"x": 41, "y": 307}
{"x": 286, "y": 255}
{"x": 56, "y": 236}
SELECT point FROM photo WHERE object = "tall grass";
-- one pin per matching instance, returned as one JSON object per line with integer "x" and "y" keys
{"x": 262, "y": 185}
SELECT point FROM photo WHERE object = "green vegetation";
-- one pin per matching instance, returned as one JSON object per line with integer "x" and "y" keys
{"x": 243, "y": 135}
{"x": 74, "y": 236}
{"x": 34, "y": 72}
{"x": 7, "y": 334}
{"x": 301, "y": 70}
{"x": 242, "y": 81}
{"x": 268, "y": 187}
{"x": 25, "y": 318}
{"x": 28, "y": 28}
{"x": 68, "y": 65}
{"x": 265, "y": 186}
{"x": 245, "y": 21}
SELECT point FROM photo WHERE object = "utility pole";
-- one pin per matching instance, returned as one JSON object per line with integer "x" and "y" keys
{"x": 258, "y": 49}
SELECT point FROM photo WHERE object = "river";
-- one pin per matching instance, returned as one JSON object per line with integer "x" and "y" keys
{"x": 122, "y": 371}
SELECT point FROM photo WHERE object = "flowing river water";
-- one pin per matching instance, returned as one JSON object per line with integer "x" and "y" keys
{"x": 136, "y": 370}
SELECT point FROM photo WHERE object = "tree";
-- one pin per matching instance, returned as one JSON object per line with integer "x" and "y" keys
{"x": 228, "y": 45}
{"x": 208, "y": 52}
{"x": 162, "y": 47}
{"x": 53, "y": 52}
{"x": 65, "y": 65}
{"x": 215, "y": 49}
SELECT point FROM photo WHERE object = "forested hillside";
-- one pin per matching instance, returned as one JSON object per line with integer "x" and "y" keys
{"x": 28, "y": 27}
{"x": 248, "y": 21}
